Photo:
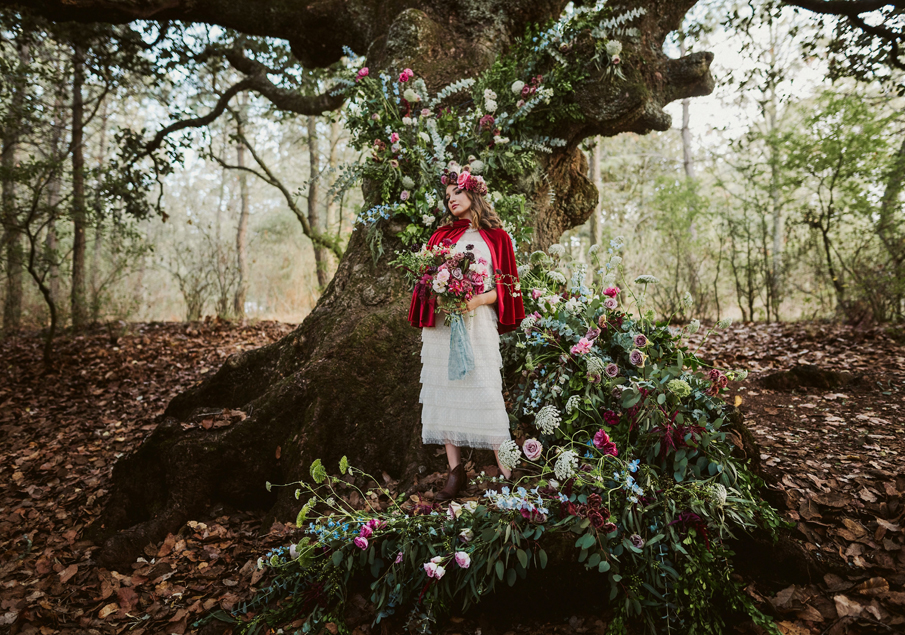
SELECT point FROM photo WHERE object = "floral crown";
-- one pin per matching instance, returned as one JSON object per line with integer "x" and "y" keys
{"x": 465, "y": 181}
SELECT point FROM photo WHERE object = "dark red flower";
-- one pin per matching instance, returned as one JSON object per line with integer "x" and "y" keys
{"x": 594, "y": 501}
{"x": 609, "y": 528}
{"x": 597, "y": 521}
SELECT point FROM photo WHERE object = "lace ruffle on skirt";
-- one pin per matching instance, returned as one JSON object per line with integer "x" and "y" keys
{"x": 468, "y": 411}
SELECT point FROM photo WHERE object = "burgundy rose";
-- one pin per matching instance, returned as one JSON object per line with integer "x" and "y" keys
{"x": 486, "y": 122}
{"x": 610, "y": 418}
{"x": 609, "y": 528}
{"x": 594, "y": 501}
{"x": 597, "y": 520}
{"x": 714, "y": 374}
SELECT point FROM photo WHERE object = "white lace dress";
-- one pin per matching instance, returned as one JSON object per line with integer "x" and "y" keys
{"x": 468, "y": 411}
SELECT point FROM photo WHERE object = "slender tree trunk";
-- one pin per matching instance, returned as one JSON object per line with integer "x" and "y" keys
{"x": 889, "y": 204}
{"x": 51, "y": 242}
{"x": 314, "y": 216}
{"x": 687, "y": 159}
{"x": 776, "y": 266}
{"x": 595, "y": 179}
{"x": 242, "y": 231}
{"x": 12, "y": 235}
{"x": 79, "y": 210}
{"x": 98, "y": 242}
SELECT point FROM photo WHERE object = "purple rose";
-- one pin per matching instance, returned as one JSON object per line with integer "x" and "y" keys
{"x": 637, "y": 541}
{"x": 361, "y": 542}
{"x": 532, "y": 449}
{"x": 610, "y": 304}
{"x": 640, "y": 340}
{"x": 611, "y": 370}
{"x": 636, "y": 357}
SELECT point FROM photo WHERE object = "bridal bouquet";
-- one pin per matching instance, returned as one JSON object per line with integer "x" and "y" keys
{"x": 452, "y": 277}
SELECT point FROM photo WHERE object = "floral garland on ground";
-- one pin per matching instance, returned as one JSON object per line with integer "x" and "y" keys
{"x": 493, "y": 122}
{"x": 622, "y": 441}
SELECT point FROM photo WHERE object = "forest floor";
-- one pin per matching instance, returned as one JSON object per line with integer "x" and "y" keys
{"x": 836, "y": 456}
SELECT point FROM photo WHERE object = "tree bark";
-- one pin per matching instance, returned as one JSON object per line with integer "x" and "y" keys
{"x": 242, "y": 230}
{"x": 687, "y": 159}
{"x": 346, "y": 381}
{"x": 12, "y": 234}
{"x": 78, "y": 295}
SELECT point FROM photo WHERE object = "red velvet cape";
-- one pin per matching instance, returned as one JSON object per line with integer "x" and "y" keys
{"x": 509, "y": 308}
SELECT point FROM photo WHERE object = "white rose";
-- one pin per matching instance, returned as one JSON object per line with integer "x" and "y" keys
{"x": 411, "y": 95}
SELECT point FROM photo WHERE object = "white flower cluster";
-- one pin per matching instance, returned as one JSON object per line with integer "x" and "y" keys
{"x": 724, "y": 323}
{"x": 509, "y": 454}
{"x": 547, "y": 419}
{"x": 595, "y": 365}
{"x": 613, "y": 48}
{"x": 523, "y": 270}
{"x": 477, "y": 166}
{"x": 428, "y": 220}
{"x": 573, "y": 402}
{"x": 646, "y": 279}
{"x": 528, "y": 323}
{"x": 556, "y": 277}
{"x": 717, "y": 494}
{"x": 517, "y": 87}
{"x": 687, "y": 300}
{"x": 411, "y": 96}
{"x": 490, "y": 100}
{"x": 693, "y": 327}
{"x": 426, "y": 138}
{"x": 574, "y": 306}
{"x": 566, "y": 465}
{"x": 556, "y": 250}
{"x": 407, "y": 182}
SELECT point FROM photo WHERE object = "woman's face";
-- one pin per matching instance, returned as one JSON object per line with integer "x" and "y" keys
{"x": 458, "y": 202}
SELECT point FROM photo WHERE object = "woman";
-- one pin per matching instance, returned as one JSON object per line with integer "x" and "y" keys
{"x": 469, "y": 411}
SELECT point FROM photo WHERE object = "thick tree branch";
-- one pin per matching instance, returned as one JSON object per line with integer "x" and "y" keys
{"x": 287, "y": 100}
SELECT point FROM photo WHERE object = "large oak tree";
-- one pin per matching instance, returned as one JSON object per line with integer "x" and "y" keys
{"x": 346, "y": 381}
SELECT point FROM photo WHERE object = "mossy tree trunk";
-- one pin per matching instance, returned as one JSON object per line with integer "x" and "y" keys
{"x": 346, "y": 381}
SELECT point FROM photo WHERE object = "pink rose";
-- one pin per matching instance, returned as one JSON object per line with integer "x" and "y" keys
{"x": 532, "y": 449}
{"x": 603, "y": 443}
{"x": 398, "y": 558}
{"x": 611, "y": 370}
{"x": 463, "y": 559}
{"x": 583, "y": 347}
{"x": 425, "y": 112}
{"x": 640, "y": 340}
{"x": 462, "y": 180}
{"x": 365, "y": 532}
{"x": 394, "y": 137}
{"x": 536, "y": 293}
{"x": 406, "y": 75}
{"x": 361, "y": 542}
{"x": 405, "y": 195}
{"x": 520, "y": 103}
{"x": 610, "y": 304}
{"x": 362, "y": 72}
{"x": 486, "y": 122}
{"x": 611, "y": 292}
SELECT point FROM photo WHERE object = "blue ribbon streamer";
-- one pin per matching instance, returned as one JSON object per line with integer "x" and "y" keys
{"x": 461, "y": 354}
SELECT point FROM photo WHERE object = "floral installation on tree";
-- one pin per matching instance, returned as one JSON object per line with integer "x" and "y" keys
{"x": 494, "y": 124}
{"x": 621, "y": 437}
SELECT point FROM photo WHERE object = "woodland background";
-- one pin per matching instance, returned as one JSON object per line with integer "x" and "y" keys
{"x": 775, "y": 198}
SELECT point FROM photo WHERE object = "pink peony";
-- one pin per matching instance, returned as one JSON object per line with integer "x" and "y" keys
{"x": 406, "y": 75}
{"x": 536, "y": 293}
{"x": 611, "y": 292}
{"x": 394, "y": 137}
{"x": 532, "y": 449}
{"x": 365, "y": 532}
{"x": 361, "y": 542}
{"x": 583, "y": 347}
{"x": 463, "y": 559}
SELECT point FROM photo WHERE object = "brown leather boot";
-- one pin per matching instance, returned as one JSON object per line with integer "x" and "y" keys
{"x": 454, "y": 484}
